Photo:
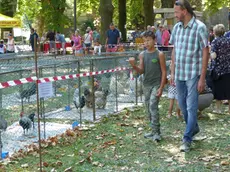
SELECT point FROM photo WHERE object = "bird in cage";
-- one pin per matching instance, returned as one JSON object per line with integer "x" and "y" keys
{"x": 26, "y": 121}
{"x": 27, "y": 93}
{"x": 101, "y": 99}
{"x": 78, "y": 101}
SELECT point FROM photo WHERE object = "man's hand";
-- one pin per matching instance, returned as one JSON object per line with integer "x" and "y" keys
{"x": 132, "y": 61}
{"x": 201, "y": 85}
{"x": 172, "y": 80}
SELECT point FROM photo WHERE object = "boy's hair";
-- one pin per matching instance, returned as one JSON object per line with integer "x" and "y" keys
{"x": 1, "y": 42}
{"x": 149, "y": 34}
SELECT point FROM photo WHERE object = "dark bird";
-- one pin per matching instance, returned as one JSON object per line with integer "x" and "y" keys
{"x": 31, "y": 117}
{"x": 3, "y": 123}
{"x": 88, "y": 98}
{"x": 25, "y": 94}
{"x": 78, "y": 102}
{"x": 25, "y": 122}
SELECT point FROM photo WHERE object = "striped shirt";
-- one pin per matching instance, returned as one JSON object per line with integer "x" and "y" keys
{"x": 188, "y": 47}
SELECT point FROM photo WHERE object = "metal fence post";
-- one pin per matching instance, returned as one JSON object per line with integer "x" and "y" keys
{"x": 93, "y": 91}
{"x": 116, "y": 78}
{"x": 79, "y": 86}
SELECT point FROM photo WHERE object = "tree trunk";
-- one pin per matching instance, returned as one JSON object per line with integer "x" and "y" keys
{"x": 148, "y": 11}
{"x": 122, "y": 18}
{"x": 106, "y": 12}
{"x": 8, "y": 8}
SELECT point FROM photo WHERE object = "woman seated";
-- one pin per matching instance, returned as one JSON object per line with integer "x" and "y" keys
{"x": 2, "y": 47}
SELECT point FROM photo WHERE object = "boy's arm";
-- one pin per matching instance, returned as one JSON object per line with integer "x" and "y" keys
{"x": 163, "y": 72}
{"x": 140, "y": 67}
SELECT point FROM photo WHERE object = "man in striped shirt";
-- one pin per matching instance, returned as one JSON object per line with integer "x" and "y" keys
{"x": 189, "y": 65}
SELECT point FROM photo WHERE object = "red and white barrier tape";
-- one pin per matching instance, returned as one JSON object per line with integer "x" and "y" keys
{"x": 56, "y": 78}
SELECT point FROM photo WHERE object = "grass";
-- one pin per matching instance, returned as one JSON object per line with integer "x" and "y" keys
{"x": 116, "y": 143}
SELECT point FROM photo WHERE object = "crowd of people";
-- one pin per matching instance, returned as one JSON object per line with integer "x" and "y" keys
{"x": 197, "y": 56}
{"x": 10, "y": 45}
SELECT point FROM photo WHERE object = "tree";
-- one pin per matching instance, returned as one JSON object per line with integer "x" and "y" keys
{"x": 8, "y": 8}
{"x": 135, "y": 15}
{"x": 213, "y": 6}
{"x": 148, "y": 11}
{"x": 122, "y": 18}
{"x": 53, "y": 10}
{"x": 106, "y": 12}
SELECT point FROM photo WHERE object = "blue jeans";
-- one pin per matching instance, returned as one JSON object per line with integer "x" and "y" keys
{"x": 187, "y": 94}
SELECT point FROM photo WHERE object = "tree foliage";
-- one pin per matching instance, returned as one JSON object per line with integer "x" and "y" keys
{"x": 213, "y": 6}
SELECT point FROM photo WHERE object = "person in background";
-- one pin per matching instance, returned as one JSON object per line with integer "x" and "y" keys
{"x": 97, "y": 48}
{"x": 211, "y": 35}
{"x": 51, "y": 37}
{"x": 227, "y": 34}
{"x": 61, "y": 38}
{"x": 159, "y": 36}
{"x": 149, "y": 28}
{"x": 165, "y": 38}
{"x": 87, "y": 40}
{"x": 190, "y": 57}
{"x": 135, "y": 34}
{"x": 10, "y": 44}
{"x": 152, "y": 65}
{"x": 33, "y": 36}
{"x": 96, "y": 36}
{"x": 113, "y": 38}
{"x": 153, "y": 29}
{"x": 77, "y": 43}
{"x": 220, "y": 65}
{"x": 2, "y": 47}
{"x": 172, "y": 95}
{"x": 90, "y": 31}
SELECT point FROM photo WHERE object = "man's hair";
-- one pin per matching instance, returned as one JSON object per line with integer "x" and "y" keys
{"x": 184, "y": 4}
{"x": 149, "y": 34}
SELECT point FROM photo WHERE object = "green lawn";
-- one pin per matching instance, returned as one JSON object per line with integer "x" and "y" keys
{"x": 116, "y": 143}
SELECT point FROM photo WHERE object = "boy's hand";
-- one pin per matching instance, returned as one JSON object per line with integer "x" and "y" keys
{"x": 132, "y": 61}
{"x": 159, "y": 92}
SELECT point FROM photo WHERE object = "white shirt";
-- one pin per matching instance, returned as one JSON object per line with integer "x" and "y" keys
{"x": 87, "y": 38}
{"x": 2, "y": 49}
{"x": 10, "y": 45}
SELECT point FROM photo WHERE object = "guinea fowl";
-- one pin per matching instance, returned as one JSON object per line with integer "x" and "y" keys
{"x": 101, "y": 98}
{"x": 78, "y": 102}
{"x": 25, "y": 122}
{"x": 88, "y": 97}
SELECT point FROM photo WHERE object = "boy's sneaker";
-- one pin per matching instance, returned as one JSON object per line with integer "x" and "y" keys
{"x": 148, "y": 135}
{"x": 156, "y": 137}
{"x": 185, "y": 147}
